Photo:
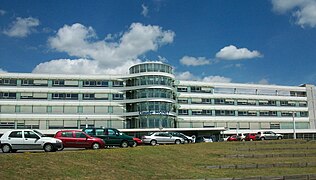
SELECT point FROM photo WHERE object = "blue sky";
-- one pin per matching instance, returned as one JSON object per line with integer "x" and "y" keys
{"x": 268, "y": 42}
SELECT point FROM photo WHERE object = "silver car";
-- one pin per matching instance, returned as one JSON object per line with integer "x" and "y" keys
{"x": 161, "y": 138}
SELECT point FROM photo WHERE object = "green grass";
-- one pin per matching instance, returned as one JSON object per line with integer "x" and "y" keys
{"x": 159, "y": 162}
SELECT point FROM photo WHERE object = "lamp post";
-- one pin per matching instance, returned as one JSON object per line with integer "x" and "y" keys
{"x": 86, "y": 122}
{"x": 294, "y": 128}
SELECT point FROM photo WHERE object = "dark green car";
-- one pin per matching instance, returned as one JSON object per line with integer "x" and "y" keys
{"x": 111, "y": 136}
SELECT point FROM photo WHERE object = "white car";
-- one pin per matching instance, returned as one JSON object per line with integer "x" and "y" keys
{"x": 268, "y": 135}
{"x": 161, "y": 138}
{"x": 14, "y": 140}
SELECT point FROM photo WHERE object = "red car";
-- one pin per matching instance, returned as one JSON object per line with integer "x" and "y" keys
{"x": 232, "y": 138}
{"x": 251, "y": 137}
{"x": 137, "y": 142}
{"x": 78, "y": 139}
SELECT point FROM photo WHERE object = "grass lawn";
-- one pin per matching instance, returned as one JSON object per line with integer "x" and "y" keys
{"x": 160, "y": 162}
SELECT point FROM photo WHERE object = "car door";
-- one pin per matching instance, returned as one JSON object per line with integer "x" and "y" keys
{"x": 16, "y": 140}
{"x": 113, "y": 137}
{"x": 81, "y": 140}
{"x": 68, "y": 139}
{"x": 32, "y": 141}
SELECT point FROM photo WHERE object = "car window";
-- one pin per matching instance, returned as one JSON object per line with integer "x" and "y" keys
{"x": 66, "y": 134}
{"x": 89, "y": 131}
{"x": 80, "y": 135}
{"x": 111, "y": 132}
{"x": 30, "y": 134}
{"x": 16, "y": 134}
{"x": 99, "y": 132}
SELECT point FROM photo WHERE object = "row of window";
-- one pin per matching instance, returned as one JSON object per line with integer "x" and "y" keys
{"x": 241, "y": 113}
{"x": 241, "y": 102}
{"x": 150, "y": 106}
{"x": 199, "y": 89}
{"x": 245, "y": 125}
{"x": 150, "y": 80}
{"x": 61, "y": 96}
{"x": 61, "y": 82}
{"x": 150, "y": 93}
{"x": 150, "y": 67}
{"x": 62, "y": 109}
{"x": 60, "y": 124}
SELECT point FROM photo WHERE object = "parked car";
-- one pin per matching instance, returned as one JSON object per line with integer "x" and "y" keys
{"x": 232, "y": 138}
{"x": 161, "y": 138}
{"x": 137, "y": 142}
{"x": 250, "y": 137}
{"x": 79, "y": 139}
{"x": 200, "y": 139}
{"x": 241, "y": 136}
{"x": 111, "y": 136}
{"x": 14, "y": 140}
{"x": 187, "y": 139}
{"x": 268, "y": 135}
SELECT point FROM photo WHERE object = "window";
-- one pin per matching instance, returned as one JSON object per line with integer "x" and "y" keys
{"x": 183, "y": 112}
{"x": 30, "y": 134}
{"x": 66, "y": 134}
{"x": 111, "y": 132}
{"x": 58, "y": 82}
{"x": 118, "y": 83}
{"x": 182, "y": 89}
{"x": 80, "y": 135}
{"x": 16, "y": 134}
{"x": 117, "y": 96}
{"x": 99, "y": 132}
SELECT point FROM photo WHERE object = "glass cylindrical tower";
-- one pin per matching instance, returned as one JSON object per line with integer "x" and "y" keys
{"x": 150, "y": 96}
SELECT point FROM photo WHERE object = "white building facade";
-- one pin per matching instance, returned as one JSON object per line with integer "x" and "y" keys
{"x": 150, "y": 97}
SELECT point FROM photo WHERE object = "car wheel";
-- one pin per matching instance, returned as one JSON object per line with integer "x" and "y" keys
{"x": 262, "y": 139}
{"x": 177, "y": 141}
{"x": 190, "y": 141}
{"x": 61, "y": 148}
{"x": 95, "y": 146}
{"x": 243, "y": 140}
{"x": 134, "y": 144}
{"x": 186, "y": 141}
{"x": 48, "y": 148}
{"x": 153, "y": 142}
{"x": 279, "y": 137}
{"x": 6, "y": 148}
{"x": 250, "y": 139}
{"x": 124, "y": 144}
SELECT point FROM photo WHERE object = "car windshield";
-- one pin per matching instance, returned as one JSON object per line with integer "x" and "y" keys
{"x": 39, "y": 133}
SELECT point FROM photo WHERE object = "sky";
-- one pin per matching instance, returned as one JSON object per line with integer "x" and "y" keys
{"x": 261, "y": 42}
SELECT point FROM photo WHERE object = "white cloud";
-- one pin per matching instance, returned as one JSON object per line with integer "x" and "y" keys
{"x": 191, "y": 77}
{"x": 2, "y": 12}
{"x": 263, "y": 81}
{"x": 186, "y": 76}
{"x": 144, "y": 11}
{"x": 22, "y": 27}
{"x": 304, "y": 11}
{"x": 217, "y": 79}
{"x": 2, "y": 71}
{"x": 102, "y": 56}
{"x": 233, "y": 53}
{"x": 80, "y": 66}
{"x": 193, "y": 61}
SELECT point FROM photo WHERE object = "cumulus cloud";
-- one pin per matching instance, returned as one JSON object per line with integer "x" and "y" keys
{"x": 80, "y": 66}
{"x": 22, "y": 27}
{"x": 191, "y": 77}
{"x": 217, "y": 79}
{"x": 2, "y": 71}
{"x": 303, "y": 11}
{"x": 263, "y": 81}
{"x": 193, "y": 61}
{"x": 233, "y": 53}
{"x": 103, "y": 56}
{"x": 145, "y": 10}
{"x": 2, "y": 12}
